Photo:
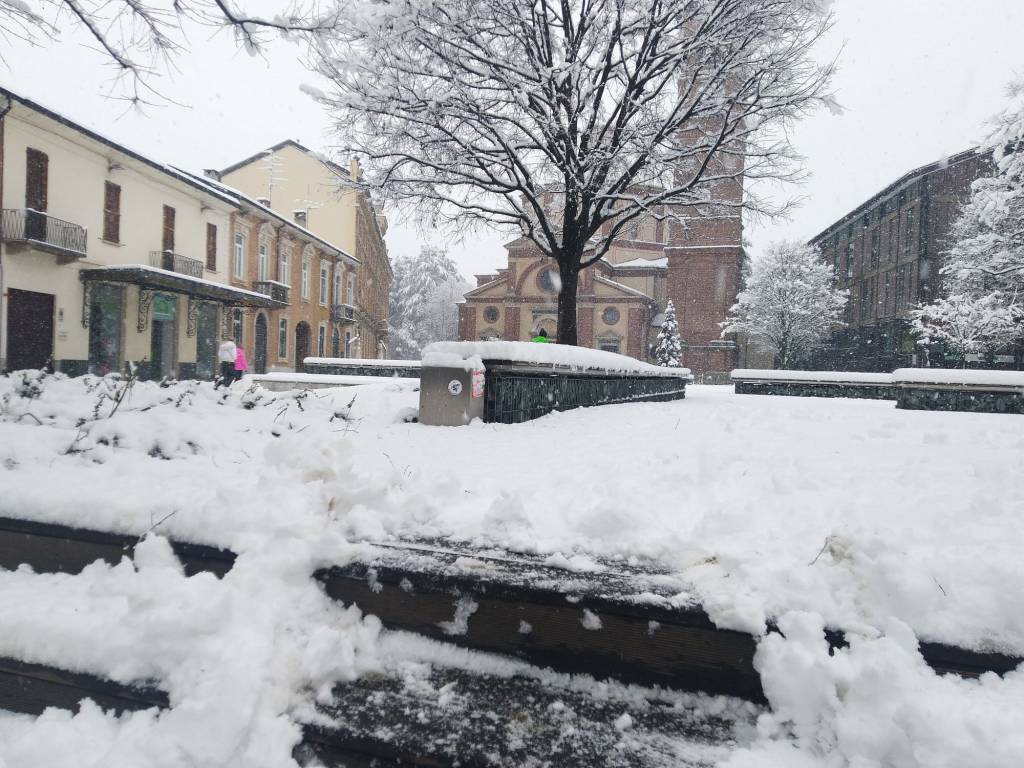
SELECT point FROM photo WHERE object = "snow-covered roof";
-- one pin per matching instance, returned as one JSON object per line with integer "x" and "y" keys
{"x": 127, "y": 270}
{"x": 620, "y": 286}
{"x": 851, "y": 377}
{"x": 470, "y": 355}
{"x": 240, "y": 197}
{"x": 968, "y": 377}
{"x": 659, "y": 263}
{"x": 168, "y": 170}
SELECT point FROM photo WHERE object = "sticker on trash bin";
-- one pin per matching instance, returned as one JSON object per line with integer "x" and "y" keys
{"x": 454, "y": 387}
{"x": 478, "y": 384}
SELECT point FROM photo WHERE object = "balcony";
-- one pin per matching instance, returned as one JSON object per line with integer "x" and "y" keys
{"x": 343, "y": 313}
{"x": 43, "y": 232}
{"x": 275, "y": 290}
{"x": 175, "y": 262}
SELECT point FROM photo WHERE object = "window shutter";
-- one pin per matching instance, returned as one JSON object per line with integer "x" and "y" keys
{"x": 211, "y": 247}
{"x": 112, "y": 213}
{"x": 37, "y": 168}
{"x": 168, "y": 238}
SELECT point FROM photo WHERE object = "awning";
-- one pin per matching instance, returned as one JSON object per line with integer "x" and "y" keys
{"x": 155, "y": 279}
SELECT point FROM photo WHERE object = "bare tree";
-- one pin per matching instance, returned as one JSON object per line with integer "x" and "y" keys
{"x": 142, "y": 38}
{"x": 570, "y": 120}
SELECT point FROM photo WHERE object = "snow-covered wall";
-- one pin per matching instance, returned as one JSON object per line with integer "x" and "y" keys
{"x": 831, "y": 377}
{"x": 967, "y": 377}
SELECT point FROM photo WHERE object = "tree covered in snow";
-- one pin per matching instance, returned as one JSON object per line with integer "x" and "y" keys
{"x": 424, "y": 300}
{"x": 670, "y": 347}
{"x": 987, "y": 239}
{"x": 141, "y": 38}
{"x": 571, "y": 122}
{"x": 968, "y": 324}
{"x": 789, "y": 302}
{"x": 984, "y": 271}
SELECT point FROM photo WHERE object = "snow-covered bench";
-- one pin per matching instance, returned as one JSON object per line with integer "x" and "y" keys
{"x": 873, "y": 386}
{"x": 944, "y": 389}
{"x": 512, "y": 381}
{"x": 355, "y": 366}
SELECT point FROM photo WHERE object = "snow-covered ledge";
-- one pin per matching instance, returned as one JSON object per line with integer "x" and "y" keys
{"x": 829, "y": 377}
{"x": 960, "y": 377}
{"x": 472, "y": 355}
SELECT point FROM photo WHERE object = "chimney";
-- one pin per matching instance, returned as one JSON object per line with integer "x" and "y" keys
{"x": 212, "y": 173}
{"x": 264, "y": 201}
{"x": 354, "y": 170}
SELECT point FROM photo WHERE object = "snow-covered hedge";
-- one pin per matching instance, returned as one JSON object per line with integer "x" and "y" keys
{"x": 831, "y": 377}
{"x": 470, "y": 355}
{"x": 966, "y": 377}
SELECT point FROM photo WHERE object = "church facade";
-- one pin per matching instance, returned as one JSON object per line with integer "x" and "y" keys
{"x": 693, "y": 257}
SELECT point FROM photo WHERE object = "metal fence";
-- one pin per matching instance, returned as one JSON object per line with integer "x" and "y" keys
{"x": 816, "y": 389}
{"x": 514, "y": 395}
{"x": 175, "y": 262}
{"x": 17, "y": 225}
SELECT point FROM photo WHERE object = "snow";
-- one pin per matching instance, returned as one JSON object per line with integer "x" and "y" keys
{"x": 895, "y": 526}
{"x": 361, "y": 362}
{"x": 460, "y": 353}
{"x": 276, "y": 380}
{"x": 849, "y": 377}
{"x": 182, "y": 276}
{"x": 966, "y": 376}
{"x": 661, "y": 263}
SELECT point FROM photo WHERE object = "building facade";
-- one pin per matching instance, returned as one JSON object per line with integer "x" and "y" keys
{"x": 107, "y": 256}
{"x": 887, "y": 253}
{"x": 693, "y": 257}
{"x": 324, "y": 198}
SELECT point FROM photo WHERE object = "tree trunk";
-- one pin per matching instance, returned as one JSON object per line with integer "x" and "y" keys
{"x": 567, "y": 333}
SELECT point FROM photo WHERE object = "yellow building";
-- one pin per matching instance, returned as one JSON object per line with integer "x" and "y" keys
{"x": 107, "y": 256}
{"x": 326, "y": 199}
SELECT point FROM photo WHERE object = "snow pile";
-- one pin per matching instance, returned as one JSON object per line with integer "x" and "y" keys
{"x": 877, "y": 703}
{"x": 842, "y": 377}
{"x": 468, "y": 353}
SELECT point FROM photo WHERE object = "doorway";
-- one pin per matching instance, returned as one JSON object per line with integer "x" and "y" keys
{"x": 301, "y": 346}
{"x": 29, "y": 329}
{"x": 206, "y": 341}
{"x": 163, "y": 342}
{"x": 105, "y": 310}
{"x": 260, "y": 344}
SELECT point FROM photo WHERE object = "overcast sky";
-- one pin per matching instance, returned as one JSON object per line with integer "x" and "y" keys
{"x": 918, "y": 80}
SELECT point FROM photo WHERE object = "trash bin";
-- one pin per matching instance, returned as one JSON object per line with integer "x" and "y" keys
{"x": 451, "y": 397}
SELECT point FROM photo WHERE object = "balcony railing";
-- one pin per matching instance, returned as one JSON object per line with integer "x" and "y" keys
{"x": 175, "y": 262}
{"x": 275, "y": 290}
{"x": 43, "y": 231}
{"x": 343, "y": 313}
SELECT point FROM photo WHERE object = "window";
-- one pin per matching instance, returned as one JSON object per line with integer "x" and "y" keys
{"x": 348, "y": 343}
{"x": 849, "y": 260}
{"x": 111, "y": 212}
{"x": 237, "y": 326}
{"x": 262, "y": 263}
{"x": 283, "y": 263}
{"x": 305, "y": 278}
{"x": 338, "y": 298}
{"x": 874, "y": 249}
{"x": 836, "y": 259}
{"x": 282, "y": 338}
{"x": 610, "y": 316}
{"x": 239, "y": 256}
{"x": 491, "y": 314}
{"x": 901, "y": 288}
{"x": 891, "y": 250}
{"x": 37, "y": 170}
{"x": 211, "y": 247}
{"x": 909, "y": 236}
{"x": 351, "y": 294}
{"x": 335, "y": 343}
{"x": 168, "y": 229}
{"x": 324, "y": 282}
{"x": 321, "y": 341}
{"x": 547, "y": 281}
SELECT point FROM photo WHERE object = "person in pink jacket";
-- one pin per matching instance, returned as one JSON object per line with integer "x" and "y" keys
{"x": 241, "y": 364}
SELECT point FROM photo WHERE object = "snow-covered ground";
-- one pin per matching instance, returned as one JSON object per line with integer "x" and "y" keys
{"x": 892, "y": 525}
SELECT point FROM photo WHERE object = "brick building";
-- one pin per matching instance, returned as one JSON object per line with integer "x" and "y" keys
{"x": 693, "y": 258}
{"x": 887, "y": 253}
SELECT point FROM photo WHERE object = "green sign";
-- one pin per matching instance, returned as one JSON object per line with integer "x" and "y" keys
{"x": 164, "y": 307}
